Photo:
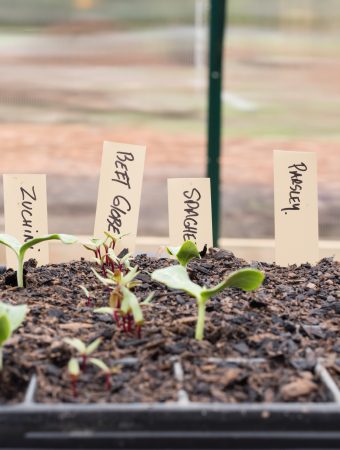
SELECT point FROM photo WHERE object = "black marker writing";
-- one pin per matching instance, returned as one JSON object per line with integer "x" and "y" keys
{"x": 121, "y": 172}
{"x": 26, "y": 211}
{"x": 192, "y": 210}
{"x": 295, "y": 187}
{"x": 119, "y": 207}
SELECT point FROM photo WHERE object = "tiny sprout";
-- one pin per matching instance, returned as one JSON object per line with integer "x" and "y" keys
{"x": 130, "y": 310}
{"x": 184, "y": 253}
{"x": 83, "y": 350}
{"x": 176, "y": 277}
{"x": 105, "y": 370}
{"x": 20, "y": 249}
{"x": 74, "y": 372}
{"x": 87, "y": 294}
{"x": 11, "y": 317}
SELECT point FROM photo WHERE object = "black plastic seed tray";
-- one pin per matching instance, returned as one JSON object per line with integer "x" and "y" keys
{"x": 179, "y": 425}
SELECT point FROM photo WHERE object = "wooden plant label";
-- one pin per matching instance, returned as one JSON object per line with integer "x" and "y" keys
{"x": 189, "y": 203}
{"x": 119, "y": 192}
{"x": 296, "y": 208}
{"x": 25, "y": 206}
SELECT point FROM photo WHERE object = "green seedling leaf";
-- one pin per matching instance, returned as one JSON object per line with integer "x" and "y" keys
{"x": 247, "y": 279}
{"x": 93, "y": 346}
{"x": 73, "y": 368}
{"x": 176, "y": 277}
{"x": 11, "y": 242}
{"x": 5, "y": 328}
{"x": 11, "y": 317}
{"x": 64, "y": 238}
{"x": 77, "y": 344}
{"x": 104, "y": 310}
{"x": 85, "y": 290}
{"x": 184, "y": 253}
{"x": 100, "y": 364}
{"x": 133, "y": 305}
{"x": 148, "y": 299}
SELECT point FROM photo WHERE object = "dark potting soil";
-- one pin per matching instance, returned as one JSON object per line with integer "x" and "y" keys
{"x": 290, "y": 322}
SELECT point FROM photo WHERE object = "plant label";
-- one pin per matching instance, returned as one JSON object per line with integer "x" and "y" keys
{"x": 296, "y": 208}
{"x": 189, "y": 203}
{"x": 25, "y": 207}
{"x": 119, "y": 193}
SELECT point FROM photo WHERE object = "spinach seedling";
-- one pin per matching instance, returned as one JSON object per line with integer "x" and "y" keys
{"x": 184, "y": 253}
{"x": 105, "y": 370}
{"x": 11, "y": 317}
{"x": 176, "y": 277}
{"x": 130, "y": 310}
{"x": 21, "y": 249}
{"x": 74, "y": 372}
{"x": 84, "y": 350}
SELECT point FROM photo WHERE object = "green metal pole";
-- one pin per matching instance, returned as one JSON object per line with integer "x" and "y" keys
{"x": 217, "y": 16}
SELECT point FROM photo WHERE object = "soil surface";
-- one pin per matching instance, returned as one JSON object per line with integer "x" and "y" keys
{"x": 290, "y": 322}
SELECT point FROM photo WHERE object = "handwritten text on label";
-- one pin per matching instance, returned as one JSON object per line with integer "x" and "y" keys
{"x": 295, "y": 187}
{"x": 192, "y": 211}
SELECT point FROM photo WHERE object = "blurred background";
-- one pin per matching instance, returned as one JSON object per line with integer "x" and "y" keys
{"x": 75, "y": 73}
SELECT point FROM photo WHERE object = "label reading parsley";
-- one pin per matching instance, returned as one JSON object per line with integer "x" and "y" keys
{"x": 189, "y": 203}
{"x": 296, "y": 207}
{"x": 119, "y": 192}
{"x": 25, "y": 205}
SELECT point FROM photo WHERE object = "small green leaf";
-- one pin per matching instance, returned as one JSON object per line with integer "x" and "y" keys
{"x": 16, "y": 314}
{"x": 85, "y": 290}
{"x": 148, "y": 299}
{"x": 105, "y": 281}
{"x": 77, "y": 344}
{"x": 104, "y": 310}
{"x": 5, "y": 328}
{"x": 185, "y": 252}
{"x": 247, "y": 279}
{"x": 100, "y": 364}
{"x": 11, "y": 242}
{"x": 73, "y": 368}
{"x": 176, "y": 277}
{"x": 133, "y": 305}
{"x": 93, "y": 346}
{"x": 64, "y": 238}
{"x": 126, "y": 279}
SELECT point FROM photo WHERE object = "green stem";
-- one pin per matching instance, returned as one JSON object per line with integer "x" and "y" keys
{"x": 1, "y": 359}
{"x": 200, "y": 320}
{"x": 20, "y": 271}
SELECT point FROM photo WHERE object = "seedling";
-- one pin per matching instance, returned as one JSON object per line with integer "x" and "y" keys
{"x": 184, "y": 253}
{"x": 87, "y": 294}
{"x": 105, "y": 370}
{"x": 101, "y": 249}
{"x": 21, "y": 249}
{"x": 11, "y": 317}
{"x": 176, "y": 277}
{"x": 74, "y": 372}
{"x": 129, "y": 309}
{"x": 84, "y": 350}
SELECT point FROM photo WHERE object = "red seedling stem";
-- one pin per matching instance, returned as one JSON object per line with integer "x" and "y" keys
{"x": 74, "y": 381}
{"x": 83, "y": 362}
{"x": 108, "y": 383}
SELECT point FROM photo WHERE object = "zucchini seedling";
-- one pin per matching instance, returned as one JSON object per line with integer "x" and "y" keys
{"x": 11, "y": 317}
{"x": 105, "y": 370}
{"x": 176, "y": 277}
{"x": 84, "y": 350}
{"x": 20, "y": 249}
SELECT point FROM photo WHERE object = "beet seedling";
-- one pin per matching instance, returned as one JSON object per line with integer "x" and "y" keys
{"x": 84, "y": 350}
{"x": 87, "y": 294}
{"x": 129, "y": 309}
{"x": 105, "y": 370}
{"x": 20, "y": 249}
{"x": 11, "y": 317}
{"x": 176, "y": 277}
{"x": 74, "y": 372}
